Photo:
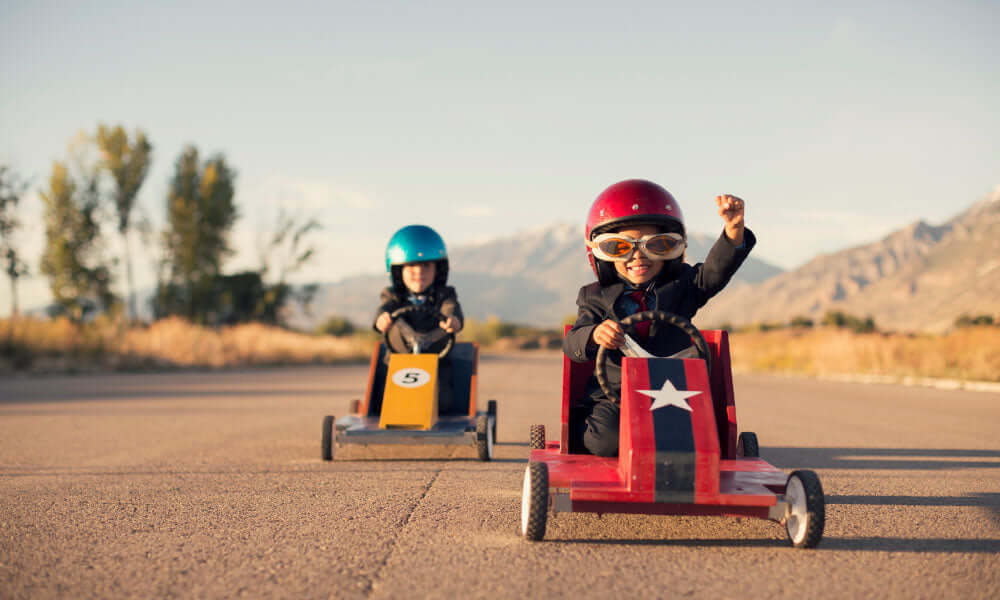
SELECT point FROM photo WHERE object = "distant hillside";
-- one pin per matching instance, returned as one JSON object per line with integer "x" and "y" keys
{"x": 916, "y": 279}
{"x": 531, "y": 277}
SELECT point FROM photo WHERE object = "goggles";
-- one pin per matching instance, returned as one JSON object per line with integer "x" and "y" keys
{"x": 620, "y": 248}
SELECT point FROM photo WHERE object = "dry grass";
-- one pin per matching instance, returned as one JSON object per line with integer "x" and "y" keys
{"x": 59, "y": 345}
{"x": 971, "y": 354}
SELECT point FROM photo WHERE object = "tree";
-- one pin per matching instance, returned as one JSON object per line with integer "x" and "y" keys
{"x": 128, "y": 162}
{"x": 11, "y": 191}
{"x": 287, "y": 251}
{"x": 284, "y": 252}
{"x": 72, "y": 255}
{"x": 200, "y": 215}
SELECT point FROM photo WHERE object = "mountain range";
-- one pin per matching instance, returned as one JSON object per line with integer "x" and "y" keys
{"x": 919, "y": 278}
{"x": 531, "y": 277}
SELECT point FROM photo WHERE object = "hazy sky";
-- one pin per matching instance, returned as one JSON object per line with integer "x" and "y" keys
{"x": 837, "y": 122}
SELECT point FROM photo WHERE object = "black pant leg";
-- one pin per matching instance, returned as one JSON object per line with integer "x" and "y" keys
{"x": 594, "y": 428}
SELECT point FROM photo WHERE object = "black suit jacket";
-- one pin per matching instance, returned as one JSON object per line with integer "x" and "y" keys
{"x": 683, "y": 294}
{"x": 441, "y": 297}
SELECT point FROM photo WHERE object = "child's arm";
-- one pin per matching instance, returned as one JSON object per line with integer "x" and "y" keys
{"x": 728, "y": 252}
{"x": 388, "y": 302}
{"x": 731, "y": 210}
{"x": 579, "y": 343}
{"x": 452, "y": 310}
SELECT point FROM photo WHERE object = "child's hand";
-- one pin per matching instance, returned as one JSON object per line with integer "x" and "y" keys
{"x": 731, "y": 211}
{"x": 383, "y": 321}
{"x": 451, "y": 324}
{"x": 609, "y": 334}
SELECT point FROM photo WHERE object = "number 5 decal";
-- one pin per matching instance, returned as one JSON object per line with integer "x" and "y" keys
{"x": 411, "y": 378}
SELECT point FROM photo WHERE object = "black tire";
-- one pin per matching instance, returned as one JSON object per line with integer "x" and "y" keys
{"x": 327, "y": 445}
{"x": 537, "y": 437}
{"x": 535, "y": 501}
{"x": 484, "y": 438}
{"x": 807, "y": 514}
{"x": 747, "y": 445}
{"x": 355, "y": 406}
{"x": 491, "y": 410}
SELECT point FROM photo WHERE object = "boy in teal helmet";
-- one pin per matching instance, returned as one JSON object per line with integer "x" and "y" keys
{"x": 417, "y": 262}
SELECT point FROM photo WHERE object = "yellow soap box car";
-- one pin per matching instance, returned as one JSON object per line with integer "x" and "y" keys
{"x": 404, "y": 389}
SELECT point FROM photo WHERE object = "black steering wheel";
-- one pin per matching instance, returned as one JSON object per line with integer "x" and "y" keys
{"x": 700, "y": 346}
{"x": 418, "y": 339}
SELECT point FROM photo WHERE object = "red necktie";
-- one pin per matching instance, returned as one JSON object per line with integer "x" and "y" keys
{"x": 642, "y": 327}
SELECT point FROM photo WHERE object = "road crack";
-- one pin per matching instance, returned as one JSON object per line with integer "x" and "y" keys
{"x": 369, "y": 589}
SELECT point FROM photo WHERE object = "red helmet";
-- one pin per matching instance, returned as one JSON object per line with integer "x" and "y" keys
{"x": 630, "y": 202}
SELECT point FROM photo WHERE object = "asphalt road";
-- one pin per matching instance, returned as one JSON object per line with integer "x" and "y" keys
{"x": 210, "y": 485}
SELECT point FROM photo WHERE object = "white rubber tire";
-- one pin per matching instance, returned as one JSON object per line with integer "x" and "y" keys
{"x": 807, "y": 509}
{"x": 535, "y": 501}
{"x": 484, "y": 437}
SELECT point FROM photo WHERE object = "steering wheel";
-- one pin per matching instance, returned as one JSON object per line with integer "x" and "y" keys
{"x": 698, "y": 350}
{"x": 414, "y": 340}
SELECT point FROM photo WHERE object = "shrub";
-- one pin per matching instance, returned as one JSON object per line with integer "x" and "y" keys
{"x": 493, "y": 329}
{"x": 977, "y": 321}
{"x": 836, "y": 318}
{"x": 801, "y": 321}
{"x": 337, "y": 327}
{"x": 863, "y": 326}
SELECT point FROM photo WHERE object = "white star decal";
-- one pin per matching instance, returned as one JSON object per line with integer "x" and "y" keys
{"x": 668, "y": 395}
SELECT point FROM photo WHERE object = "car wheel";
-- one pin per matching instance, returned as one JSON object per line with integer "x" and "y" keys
{"x": 484, "y": 438}
{"x": 807, "y": 509}
{"x": 747, "y": 445}
{"x": 327, "y": 445}
{"x": 535, "y": 501}
{"x": 537, "y": 437}
{"x": 491, "y": 410}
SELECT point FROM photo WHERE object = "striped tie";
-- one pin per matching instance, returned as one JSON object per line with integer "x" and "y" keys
{"x": 642, "y": 327}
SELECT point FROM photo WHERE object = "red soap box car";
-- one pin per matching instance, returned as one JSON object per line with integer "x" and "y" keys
{"x": 679, "y": 453}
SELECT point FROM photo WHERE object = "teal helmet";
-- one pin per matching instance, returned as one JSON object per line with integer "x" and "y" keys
{"x": 416, "y": 243}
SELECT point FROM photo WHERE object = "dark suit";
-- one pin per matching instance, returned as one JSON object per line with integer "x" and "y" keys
{"x": 681, "y": 290}
{"x": 441, "y": 298}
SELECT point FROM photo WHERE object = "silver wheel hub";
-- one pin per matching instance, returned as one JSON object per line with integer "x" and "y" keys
{"x": 797, "y": 518}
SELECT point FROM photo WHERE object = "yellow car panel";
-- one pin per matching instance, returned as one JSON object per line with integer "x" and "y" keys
{"x": 411, "y": 392}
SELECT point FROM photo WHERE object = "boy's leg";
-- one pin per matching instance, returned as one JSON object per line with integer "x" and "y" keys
{"x": 594, "y": 428}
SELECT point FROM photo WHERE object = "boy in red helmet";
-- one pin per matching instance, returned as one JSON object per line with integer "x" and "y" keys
{"x": 636, "y": 241}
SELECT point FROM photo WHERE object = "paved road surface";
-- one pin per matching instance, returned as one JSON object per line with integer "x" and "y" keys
{"x": 210, "y": 485}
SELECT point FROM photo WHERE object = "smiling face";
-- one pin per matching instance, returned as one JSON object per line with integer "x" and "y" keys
{"x": 419, "y": 276}
{"x": 639, "y": 269}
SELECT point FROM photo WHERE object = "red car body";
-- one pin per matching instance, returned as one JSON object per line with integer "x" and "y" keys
{"x": 672, "y": 459}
